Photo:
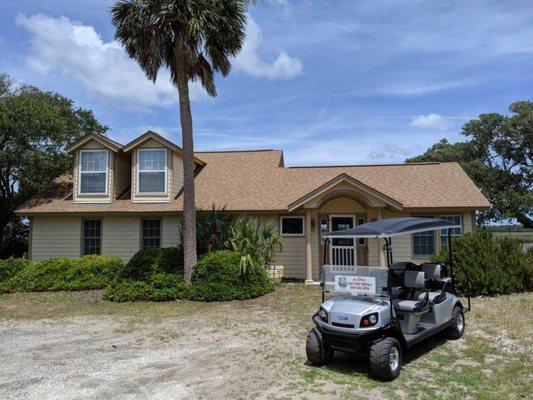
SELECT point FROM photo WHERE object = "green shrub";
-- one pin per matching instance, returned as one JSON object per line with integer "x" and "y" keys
{"x": 160, "y": 287}
{"x": 11, "y": 266}
{"x": 89, "y": 272}
{"x": 217, "y": 277}
{"x": 127, "y": 290}
{"x": 146, "y": 262}
{"x": 212, "y": 230}
{"x": 493, "y": 266}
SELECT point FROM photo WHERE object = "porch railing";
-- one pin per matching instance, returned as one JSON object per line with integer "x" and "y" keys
{"x": 343, "y": 255}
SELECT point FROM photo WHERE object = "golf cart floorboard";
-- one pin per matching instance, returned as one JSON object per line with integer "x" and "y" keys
{"x": 424, "y": 331}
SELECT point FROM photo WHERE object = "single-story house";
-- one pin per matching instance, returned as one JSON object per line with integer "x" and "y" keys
{"x": 121, "y": 198}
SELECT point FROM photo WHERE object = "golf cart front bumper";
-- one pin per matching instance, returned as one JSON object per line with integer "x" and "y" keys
{"x": 353, "y": 340}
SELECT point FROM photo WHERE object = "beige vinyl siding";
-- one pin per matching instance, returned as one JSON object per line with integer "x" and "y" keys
{"x": 121, "y": 236}
{"x": 292, "y": 257}
{"x": 94, "y": 145}
{"x": 122, "y": 175}
{"x": 177, "y": 174}
{"x": 171, "y": 231}
{"x": 55, "y": 237}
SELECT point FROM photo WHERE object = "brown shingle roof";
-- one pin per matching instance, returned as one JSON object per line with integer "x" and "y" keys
{"x": 254, "y": 180}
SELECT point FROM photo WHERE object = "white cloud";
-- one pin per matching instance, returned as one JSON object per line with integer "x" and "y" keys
{"x": 249, "y": 61}
{"x": 430, "y": 121}
{"x": 78, "y": 51}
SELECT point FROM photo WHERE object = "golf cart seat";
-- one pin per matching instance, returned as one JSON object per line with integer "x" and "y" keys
{"x": 412, "y": 280}
{"x": 410, "y": 305}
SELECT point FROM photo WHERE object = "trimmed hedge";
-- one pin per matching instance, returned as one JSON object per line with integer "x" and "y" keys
{"x": 493, "y": 265}
{"x": 217, "y": 277}
{"x": 147, "y": 262}
{"x": 11, "y": 266}
{"x": 89, "y": 272}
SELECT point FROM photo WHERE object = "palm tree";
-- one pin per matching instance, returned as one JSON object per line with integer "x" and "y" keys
{"x": 194, "y": 39}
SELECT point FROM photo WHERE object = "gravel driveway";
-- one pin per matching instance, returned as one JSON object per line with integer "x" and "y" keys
{"x": 76, "y": 346}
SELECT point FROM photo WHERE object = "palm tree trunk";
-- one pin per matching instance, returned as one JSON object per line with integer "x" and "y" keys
{"x": 189, "y": 209}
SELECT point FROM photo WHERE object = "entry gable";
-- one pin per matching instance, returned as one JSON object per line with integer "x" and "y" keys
{"x": 343, "y": 184}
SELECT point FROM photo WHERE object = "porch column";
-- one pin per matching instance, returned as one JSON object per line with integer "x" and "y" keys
{"x": 381, "y": 255}
{"x": 308, "y": 251}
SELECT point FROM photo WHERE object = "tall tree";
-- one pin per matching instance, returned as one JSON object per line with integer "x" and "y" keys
{"x": 498, "y": 158}
{"x": 35, "y": 126}
{"x": 194, "y": 39}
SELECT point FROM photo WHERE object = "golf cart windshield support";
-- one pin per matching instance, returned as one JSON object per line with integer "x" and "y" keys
{"x": 386, "y": 229}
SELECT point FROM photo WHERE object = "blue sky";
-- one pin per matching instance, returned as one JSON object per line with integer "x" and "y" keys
{"x": 328, "y": 82}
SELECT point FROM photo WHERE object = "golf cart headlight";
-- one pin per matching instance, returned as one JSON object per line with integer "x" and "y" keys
{"x": 323, "y": 315}
{"x": 369, "y": 320}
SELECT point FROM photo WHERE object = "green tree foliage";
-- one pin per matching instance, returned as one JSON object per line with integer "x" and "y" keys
{"x": 493, "y": 266}
{"x": 35, "y": 127}
{"x": 498, "y": 158}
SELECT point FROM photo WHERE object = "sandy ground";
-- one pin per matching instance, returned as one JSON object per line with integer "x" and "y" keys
{"x": 202, "y": 356}
{"x": 76, "y": 346}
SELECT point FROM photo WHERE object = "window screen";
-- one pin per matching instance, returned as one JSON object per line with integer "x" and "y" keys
{"x": 93, "y": 172}
{"x": 92, "y": 236}
{"x": 456, "y": 220}
{"x": 151, "y": 233}
{"x": 292, "y": 225}
{"x": 152, "y": 170}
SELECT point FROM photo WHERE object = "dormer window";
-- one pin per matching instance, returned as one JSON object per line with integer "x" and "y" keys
{"x": 93, "y": 172}
{"x": 152, "y": 171}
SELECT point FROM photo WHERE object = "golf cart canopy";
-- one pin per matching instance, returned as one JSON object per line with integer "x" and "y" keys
{"x": 392, "y": 227}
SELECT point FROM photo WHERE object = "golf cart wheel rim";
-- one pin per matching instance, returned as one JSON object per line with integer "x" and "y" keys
{"x": 394, "y": 358}
{"x": 460, "y": 322}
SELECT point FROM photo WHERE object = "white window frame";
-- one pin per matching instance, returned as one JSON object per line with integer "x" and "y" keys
{"x": 138, "y": 186}
{"x": 291, "y": 234}
{"x": 453, "y": 235}
{"x": 80, "y": 172}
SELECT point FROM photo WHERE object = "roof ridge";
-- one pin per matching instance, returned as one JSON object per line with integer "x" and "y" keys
{"x": 238, "y": 151}
{"x": 367, "y": 165}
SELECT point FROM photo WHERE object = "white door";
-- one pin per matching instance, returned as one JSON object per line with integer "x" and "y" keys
{"x": 342, "y": 251}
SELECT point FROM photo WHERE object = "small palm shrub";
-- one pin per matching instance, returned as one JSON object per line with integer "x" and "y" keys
{"x": 89, "y": 272}
{"x": 493, "y": 266}
{"x": 217, "y": 277}
{"x": 255, "y": 240}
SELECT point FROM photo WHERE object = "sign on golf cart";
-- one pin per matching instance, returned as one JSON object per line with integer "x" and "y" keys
{"x": 369, "y": 281}
{"x": 356, "y": 284}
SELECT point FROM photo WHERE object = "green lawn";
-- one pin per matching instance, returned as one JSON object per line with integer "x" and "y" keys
{"x": 244, "y": 350}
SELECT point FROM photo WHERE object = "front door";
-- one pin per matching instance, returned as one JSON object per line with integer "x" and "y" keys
{"x": 342, "y": 251}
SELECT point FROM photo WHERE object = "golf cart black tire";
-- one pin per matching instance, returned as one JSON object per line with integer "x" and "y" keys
{"x": 453, "y": 332}
{"x": 379, "y": 358}
{"x": 317, "y": 350}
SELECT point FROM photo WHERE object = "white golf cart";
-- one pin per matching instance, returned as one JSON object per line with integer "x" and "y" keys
{"x": 380, "y": 312}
